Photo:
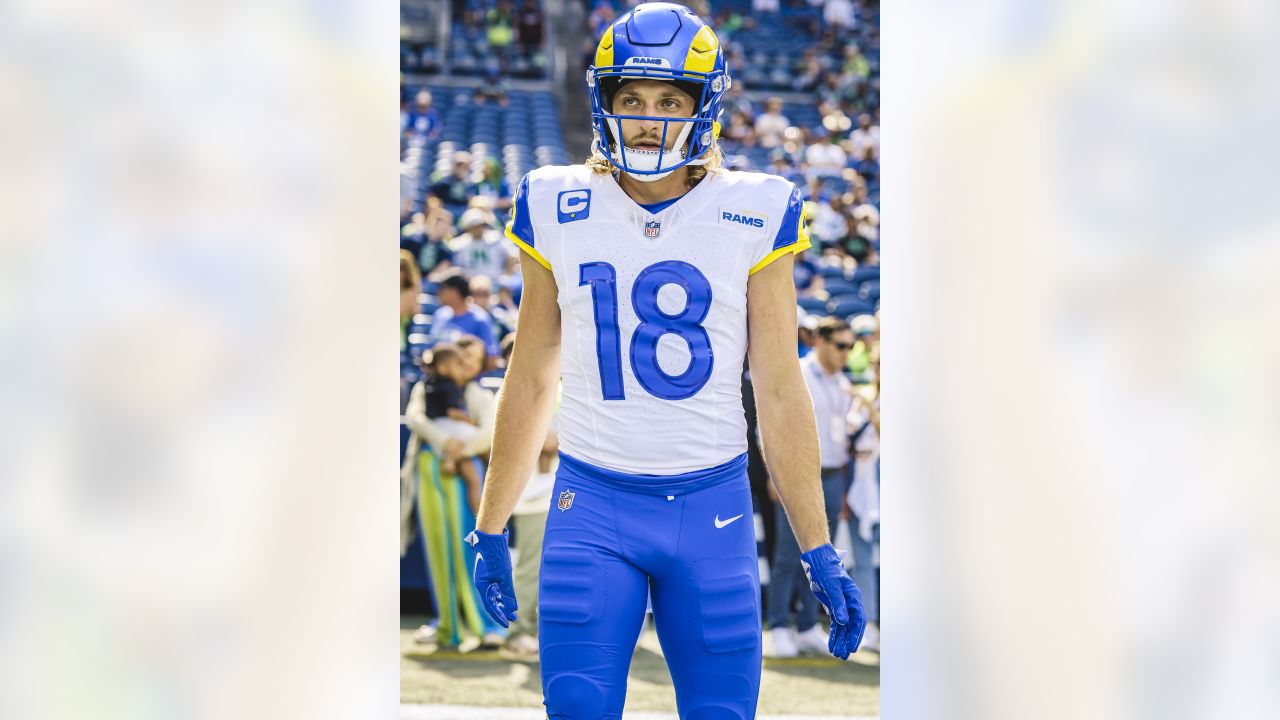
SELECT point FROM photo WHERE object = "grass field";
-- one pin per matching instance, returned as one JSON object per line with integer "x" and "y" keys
{"x": 805, "y": 685}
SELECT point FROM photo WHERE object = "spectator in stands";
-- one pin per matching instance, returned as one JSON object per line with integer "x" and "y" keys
{"x": 494, "y": 88}
{"x": 736, "y": 101}
{"x": 780, "y": 164}
{"x": 824, "y": 155}
{"x": 529, "y": 28}
{"x": 481, "y": 249}
{"x": 410, "y": 287}
{"x": 808, "y": 72}
{"x": 434, "y": 256}
{"x": 866, "y": 164}
{"x": 493, "y": 187}
{"x": 764, "y": 6}
{"x": 829, "y": 223}
{"x": 866, "y": 136}
{"x": 458, "y": 316}
{"x": 835, "y": 91}
{"x": 482, "y": 296}
{"x": 838, "y": 14}
{"x": 740, "y": 133}
{"x": 832, "y": 401}
{"x": 448, "y": 373}
{"x": 500, "y": 24}
{"x": 423, "y": 120}
{"x": 806, "y": 336}
{"x": 862, "y": 503}
{"x": 414, "y": 233}
{"x": 866, "y": 222}
{"x": 856, "y": 66}
{"x": 456, "y": 189}
{"x": 771, "y": 124}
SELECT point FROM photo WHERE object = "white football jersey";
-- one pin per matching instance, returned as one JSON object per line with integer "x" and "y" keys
{"x": 654, "y": 309}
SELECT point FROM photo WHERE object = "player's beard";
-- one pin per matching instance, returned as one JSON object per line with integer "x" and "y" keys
{"x": 647, "y": 160}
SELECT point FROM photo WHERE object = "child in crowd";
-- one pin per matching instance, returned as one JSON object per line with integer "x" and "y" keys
{"x": 450, "y": 371}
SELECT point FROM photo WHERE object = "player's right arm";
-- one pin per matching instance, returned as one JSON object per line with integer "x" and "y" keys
{"x": 526, "y": 399}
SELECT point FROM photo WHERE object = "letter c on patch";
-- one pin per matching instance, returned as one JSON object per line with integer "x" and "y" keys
{"x": 573, "y": 205}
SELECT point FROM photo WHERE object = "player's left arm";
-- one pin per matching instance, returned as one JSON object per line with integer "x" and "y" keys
{"x": 783, "y": 406}
{"x": 790, "y": 433}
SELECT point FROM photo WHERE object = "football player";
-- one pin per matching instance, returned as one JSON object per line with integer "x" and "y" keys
{"x": 649, "y": 273}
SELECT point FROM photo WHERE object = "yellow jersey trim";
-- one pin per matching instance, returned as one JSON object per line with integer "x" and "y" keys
{"x": 800, "y": 245}
{"x": 526, "y": 247}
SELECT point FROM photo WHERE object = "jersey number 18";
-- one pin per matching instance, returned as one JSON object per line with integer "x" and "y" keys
{"x": 654, "y": 323}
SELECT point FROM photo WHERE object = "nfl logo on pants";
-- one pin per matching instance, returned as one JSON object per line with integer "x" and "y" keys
{"x": 651, "y": 229}
{"x": 566, "y": 500}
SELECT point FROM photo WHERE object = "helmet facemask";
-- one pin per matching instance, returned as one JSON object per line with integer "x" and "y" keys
{"x": 695, "y": 133}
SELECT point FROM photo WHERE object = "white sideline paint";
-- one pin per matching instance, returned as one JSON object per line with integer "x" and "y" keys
{"x": 458, "y": 712}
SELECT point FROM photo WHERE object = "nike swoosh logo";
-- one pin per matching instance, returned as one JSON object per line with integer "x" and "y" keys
{"x": 721, "y": 523}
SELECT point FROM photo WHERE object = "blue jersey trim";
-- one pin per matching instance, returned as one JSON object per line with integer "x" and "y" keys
{"x": 655, "y": 208}
{"x": 789, "y": 230}
{"x": 681, "y": 484}
{"x": 521, "y": 225}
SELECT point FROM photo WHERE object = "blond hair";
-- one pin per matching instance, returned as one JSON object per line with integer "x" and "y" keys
{"x": 715, "y": 160}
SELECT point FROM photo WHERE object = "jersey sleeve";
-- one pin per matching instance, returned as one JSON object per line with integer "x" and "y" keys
{"x": 792, "y": 236}
{"x": 520, "y": 228}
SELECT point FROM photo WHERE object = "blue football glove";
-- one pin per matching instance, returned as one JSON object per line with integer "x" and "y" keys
{"x": 493, "y": 576}
{"x": 837, "y": 593}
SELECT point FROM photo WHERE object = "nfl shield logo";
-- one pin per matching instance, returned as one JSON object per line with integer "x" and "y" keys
{"x": 652, "y": 228}
{"x": 566, "y": 500}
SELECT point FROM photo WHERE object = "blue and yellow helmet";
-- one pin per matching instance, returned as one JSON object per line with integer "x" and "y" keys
{"x": 658, "y": 41}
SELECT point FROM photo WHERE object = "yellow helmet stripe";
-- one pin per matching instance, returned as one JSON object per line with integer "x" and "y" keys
{"x": 604, "y": 51}
{"x": 702, "y": 51}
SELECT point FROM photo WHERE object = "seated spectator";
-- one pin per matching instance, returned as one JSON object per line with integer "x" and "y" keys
{"x": 456, "y": 189}
{"x": 448, "y": 373}
{"x": 458, "y": 316}
{"x": 414, "y": 233}
{"x": 808, "y": 72}
{"x": 423, "y": 120}
{"x": 855, "y": 63}
{"x": 495, "y": 87}
{"x": 824, "y": 155}
{"x": 764, "y": 6}
{"x": 866, "y": 221}
{"x": 740, "y": 131}
{"x": 735, "y": 101}
{"x": 829, "y": 224}
{"x": 481, "y": 249}
{"x": 780, "y": 164}
{"x": 482, "y": 296}
{"x": 866, "y": 136}
{"x": 866, "y": 164}
{"x": 434, "y": 256}
{"x": 771, "y": 124}
{"x": 493, "y": 187}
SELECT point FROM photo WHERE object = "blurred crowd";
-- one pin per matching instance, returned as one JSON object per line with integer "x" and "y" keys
{"x": 460, "y": 294}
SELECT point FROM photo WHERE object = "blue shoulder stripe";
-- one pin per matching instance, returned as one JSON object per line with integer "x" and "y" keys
{"x": 521, "y": 225}
{"x": 789, "y": 230}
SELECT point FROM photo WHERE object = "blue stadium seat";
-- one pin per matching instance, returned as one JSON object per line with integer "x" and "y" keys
{"x": 846, "y": 305}
{"x": 813, "y": 305}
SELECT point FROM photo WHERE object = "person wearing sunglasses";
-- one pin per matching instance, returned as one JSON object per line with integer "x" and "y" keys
{"x": 832, "y": 400}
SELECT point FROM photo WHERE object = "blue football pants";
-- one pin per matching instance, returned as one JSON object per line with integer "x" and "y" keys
{"x": 609, "y": 551}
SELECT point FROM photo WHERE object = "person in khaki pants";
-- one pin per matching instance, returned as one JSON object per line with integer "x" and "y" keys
{"x": 530, "y": 521}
